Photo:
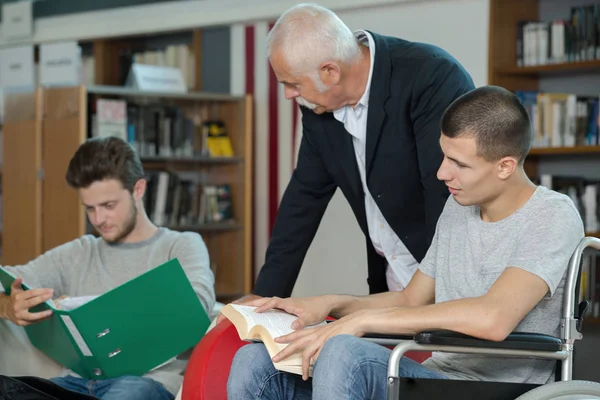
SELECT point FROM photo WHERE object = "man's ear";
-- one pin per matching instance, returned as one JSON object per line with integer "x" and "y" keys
{"x": 330, "y": 73}
{"x": 506, "y": 167}
{"x": 139, "y": 189}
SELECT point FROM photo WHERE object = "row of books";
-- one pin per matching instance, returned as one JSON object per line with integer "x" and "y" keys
{"x": 574, "y": 38}
{"x": 158, "y": 130}
{"x": 174, "y": 56}
{"x": 561, "y": 119}
{"x": 172, "y": 200}
{"x": 585, "y": 193}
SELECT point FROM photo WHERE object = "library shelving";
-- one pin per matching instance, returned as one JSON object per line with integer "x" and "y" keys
{"x": 43, "y": 129}
{"x": 552, "y": 48}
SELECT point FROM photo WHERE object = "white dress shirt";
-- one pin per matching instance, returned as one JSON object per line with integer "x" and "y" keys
{"x": 401, "y": 265}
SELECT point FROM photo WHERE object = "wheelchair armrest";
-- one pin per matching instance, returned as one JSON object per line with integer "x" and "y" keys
{"x": 514, "y": 341}
{"x": 387, "y": 340}
{"x": 391, "y": 337}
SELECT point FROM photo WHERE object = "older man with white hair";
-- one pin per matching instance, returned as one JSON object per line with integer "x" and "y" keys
{"x": 371, "y": 107}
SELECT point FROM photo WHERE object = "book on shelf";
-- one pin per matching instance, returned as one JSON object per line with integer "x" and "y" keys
{"x": 110, "y": 119}
{"x": 573, "y": 38}
{"x": 562, "y": 119}
{"x": 265, "y": 327}
{"x": 159, "y": 130}
{"x": 174, "y": 200}
{"x": 590, "y": 284}
{"x": 177, "y": 56}
{"x": 217, "y": 142}
{"x": 585, "y": 194}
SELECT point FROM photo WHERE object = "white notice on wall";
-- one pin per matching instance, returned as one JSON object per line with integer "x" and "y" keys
{"x": 60, "y": 64}
{"x": 16, "y": 67}
{"x": 17, "y": 20}
{"x": 153, "y": 78}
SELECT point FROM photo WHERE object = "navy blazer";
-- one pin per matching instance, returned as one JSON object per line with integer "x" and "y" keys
{"x": 411, "y": 86}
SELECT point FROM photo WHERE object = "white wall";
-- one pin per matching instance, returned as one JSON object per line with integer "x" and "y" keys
{"x": 167, "y": 17}
{"x": 336, "y": 261}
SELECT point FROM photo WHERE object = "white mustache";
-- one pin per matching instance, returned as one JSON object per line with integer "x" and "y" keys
{"x": 303, "y": 102}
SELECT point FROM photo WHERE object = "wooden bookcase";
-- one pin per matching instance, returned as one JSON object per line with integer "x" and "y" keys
{"x": 63, "y": 130}
{"x": 41, "y": 211}
{"x": 42, "y": 131}
{"x": 503, "y": 71}
{"x": 21, "y": 181}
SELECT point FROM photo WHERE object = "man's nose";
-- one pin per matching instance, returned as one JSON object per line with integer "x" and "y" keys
{"x": 290, "y": 93}
{"x": 443, "y": 173}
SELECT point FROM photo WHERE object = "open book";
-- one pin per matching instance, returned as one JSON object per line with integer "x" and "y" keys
{"x": 265, "y": 327}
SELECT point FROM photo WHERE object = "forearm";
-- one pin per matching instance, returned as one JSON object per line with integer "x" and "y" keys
{"x": 342, "y": 305}
{"x": 468, "y": 316}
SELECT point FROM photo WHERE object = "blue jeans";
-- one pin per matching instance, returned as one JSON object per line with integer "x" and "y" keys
{"x": 123, "y": 388}
{"x": 347, "y": 368}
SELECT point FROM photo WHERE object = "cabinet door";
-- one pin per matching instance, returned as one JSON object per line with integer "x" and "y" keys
{"x": 64, "y": 129}
{"x": 21, "y": 180}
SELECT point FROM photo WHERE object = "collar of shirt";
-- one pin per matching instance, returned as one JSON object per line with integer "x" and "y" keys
{"x": 341, "y": 114}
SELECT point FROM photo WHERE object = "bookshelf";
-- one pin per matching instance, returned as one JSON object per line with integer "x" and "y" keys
{"x": 579, "y": 77}
{"x": 228, "y": 241}
{"x": 34, "y": 167}
{"x": 576, "y": 74}
{"x": 50, "y": 212}
{"x": 564, "y": 151}
{"x": 566, "y": 68}
{"x": 105, "y": 61}
{"x": 21, "y": 186}
{"x": 112, "y": 56}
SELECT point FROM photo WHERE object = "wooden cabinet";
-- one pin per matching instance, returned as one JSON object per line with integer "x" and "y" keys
{"x": 43, "y": 130}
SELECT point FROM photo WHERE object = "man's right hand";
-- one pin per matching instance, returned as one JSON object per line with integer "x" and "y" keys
{"x": 309, "y": 310}
{"x": 17, "y": 308}
{"x": 242, "y": 301}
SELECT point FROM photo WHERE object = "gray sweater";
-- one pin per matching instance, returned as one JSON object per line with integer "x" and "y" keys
{"x": 90, "y": 266}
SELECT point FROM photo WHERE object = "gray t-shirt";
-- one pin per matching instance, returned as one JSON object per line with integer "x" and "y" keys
{"x": 90, "y": 266}
{"x": 467, "y": 255}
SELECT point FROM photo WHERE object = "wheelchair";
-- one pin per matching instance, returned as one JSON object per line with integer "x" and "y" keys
{"x": 517, "y": 344}
{"x": 208, "y": 368}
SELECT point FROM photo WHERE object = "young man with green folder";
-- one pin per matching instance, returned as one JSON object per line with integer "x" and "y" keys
{"x": 109, "y": 177}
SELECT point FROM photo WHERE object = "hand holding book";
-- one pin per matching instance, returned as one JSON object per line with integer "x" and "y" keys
{"x": 310, "y": 342}
{"x": 293, "y": 343}
{"x": 113, "y": 334}
{"x": 309, "y": 310}
{"x": 17, "y": 307}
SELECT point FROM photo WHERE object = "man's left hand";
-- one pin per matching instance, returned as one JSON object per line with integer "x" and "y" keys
{"x": 311, "y": 340}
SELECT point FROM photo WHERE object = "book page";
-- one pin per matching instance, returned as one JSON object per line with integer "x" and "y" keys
{"x": 276, "y": 322}
{"x": 71, "y": 303}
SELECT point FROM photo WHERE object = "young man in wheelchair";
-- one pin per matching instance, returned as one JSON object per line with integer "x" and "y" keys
{"x": 496, "y": 265}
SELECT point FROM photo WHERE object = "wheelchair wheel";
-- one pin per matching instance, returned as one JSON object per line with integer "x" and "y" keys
{"x": 564, "y": 390}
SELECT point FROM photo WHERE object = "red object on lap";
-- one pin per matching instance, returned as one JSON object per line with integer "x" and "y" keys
{"x": 208, "y": 368}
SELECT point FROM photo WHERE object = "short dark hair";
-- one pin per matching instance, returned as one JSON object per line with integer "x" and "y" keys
{"x": 103, "y": 158}
{"x": 495, "y": 118}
